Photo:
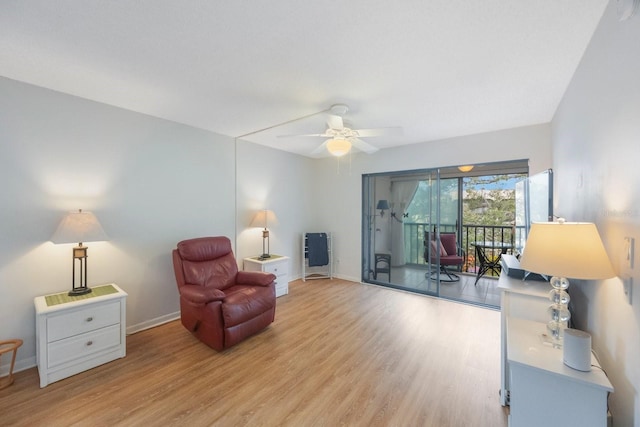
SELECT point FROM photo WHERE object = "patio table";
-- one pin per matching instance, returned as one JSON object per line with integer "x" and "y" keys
{"x": 486, "y": 255}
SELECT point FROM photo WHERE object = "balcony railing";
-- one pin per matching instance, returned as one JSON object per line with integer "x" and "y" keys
{"x": 414, "y": 237}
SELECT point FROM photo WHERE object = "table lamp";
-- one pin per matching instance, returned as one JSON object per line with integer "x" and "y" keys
{"x": 79, "y": 227}
{"x": 263, "y": 218}
{"x": 564, "y": 249}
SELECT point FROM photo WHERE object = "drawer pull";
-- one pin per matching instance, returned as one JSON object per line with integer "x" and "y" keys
{"x": 89, "y": 343}
{"x": 89, "y": 319}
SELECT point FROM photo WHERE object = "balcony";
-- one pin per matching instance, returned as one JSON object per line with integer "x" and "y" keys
{"x": 414, "y": 240}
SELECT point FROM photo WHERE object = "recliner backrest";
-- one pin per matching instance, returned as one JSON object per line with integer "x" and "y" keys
{"x": 208, "y": 261}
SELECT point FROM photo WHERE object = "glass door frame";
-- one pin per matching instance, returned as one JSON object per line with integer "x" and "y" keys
{"x": 369, "y": 227}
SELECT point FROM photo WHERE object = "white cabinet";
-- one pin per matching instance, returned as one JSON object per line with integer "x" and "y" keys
{"x": 546, "y": 392}
{"x": 521, "y": 300}
{"x": 74, "y": 334}
{"x": 277, "y": 264}
{"x": 540, "y": 389}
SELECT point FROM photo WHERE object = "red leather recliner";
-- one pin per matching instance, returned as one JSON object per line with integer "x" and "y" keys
{"x": 220, "y": 305}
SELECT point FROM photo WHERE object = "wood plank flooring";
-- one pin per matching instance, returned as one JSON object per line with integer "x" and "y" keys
{"x": 339, "y": 354}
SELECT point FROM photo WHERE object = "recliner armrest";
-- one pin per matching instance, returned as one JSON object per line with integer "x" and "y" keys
{"x": 201, "y": 295}
{"x": 255, "y": 278}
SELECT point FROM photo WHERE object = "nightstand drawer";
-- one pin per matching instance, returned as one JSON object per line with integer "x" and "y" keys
{"x": 83, "y": 345}
{"x": 277, "y": 269}
{"x": 74, "y": 334}
{"x": 277, "y": 264}
{"x": 90, "y": 318}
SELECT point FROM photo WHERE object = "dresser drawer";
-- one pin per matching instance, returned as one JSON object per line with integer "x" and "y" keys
{"x": 277, "y": 265}
{"x": 279, "y": 269}
{"x": 83, "y": 345}
{"x": 282, "y": 289}
{"x": 70, "y": 323}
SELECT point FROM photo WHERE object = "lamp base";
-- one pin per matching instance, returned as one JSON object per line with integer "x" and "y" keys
{"x": 549, "y": 341}
{"x": 264, "y": 256}
{"x": 79, "y": 291}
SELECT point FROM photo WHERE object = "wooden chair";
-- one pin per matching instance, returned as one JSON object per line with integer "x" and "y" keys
{"x": 5, "y": 347}
{"x": 382, "y": 264}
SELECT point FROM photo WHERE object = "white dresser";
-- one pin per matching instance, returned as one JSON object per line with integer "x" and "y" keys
{"x": 546, "y": 392}
{"x": 74, "y": 334}
{"x": 520, "y": 300}
{"x": 540, "y": 389}
{"x": 277, "y": 264}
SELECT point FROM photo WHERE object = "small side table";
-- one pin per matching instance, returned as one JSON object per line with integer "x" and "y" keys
{"x": 77, "y": 333}
{"x": 277, "y": 264}
{"x": 5, "y": 347}
{"x": 491, "y": 261}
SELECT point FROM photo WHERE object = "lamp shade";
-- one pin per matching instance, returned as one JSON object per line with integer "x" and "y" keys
{"x": 566, "y": 249}
{"x": 264, "y": 218}
{"x": 465, "y": 168}
{"x": 338, "y": 147}
{"x": 382, "y": 204}
{"x": 77, "y": 227}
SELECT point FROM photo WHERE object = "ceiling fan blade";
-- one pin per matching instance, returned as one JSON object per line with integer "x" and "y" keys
{"x": 363, "y": 146}
{"x": 324, "y": 135}
{"x": 322, "y": 147}
{"x": 335, "y": 122}
{"x": 390, "y": 131}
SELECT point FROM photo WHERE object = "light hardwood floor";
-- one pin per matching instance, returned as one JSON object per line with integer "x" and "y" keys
{"x": 339, "y": 354}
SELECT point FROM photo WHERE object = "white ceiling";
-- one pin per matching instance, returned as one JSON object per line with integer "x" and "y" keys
{"x": 437, "y": 68}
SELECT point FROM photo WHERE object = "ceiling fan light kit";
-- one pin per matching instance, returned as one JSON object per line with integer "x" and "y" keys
{"x": 338, "y": 147}
{"x": 341, "y": 138}
{"x": 339, "y": 109}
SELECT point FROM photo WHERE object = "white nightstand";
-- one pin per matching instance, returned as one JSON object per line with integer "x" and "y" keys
{"x": 519, "y": 300}
{"x": 74, "y": 334}
{"x": 546, "y": 392}
{"x": 277, "y": 264}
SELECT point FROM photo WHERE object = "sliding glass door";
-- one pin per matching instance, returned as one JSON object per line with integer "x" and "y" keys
{"x": 400, "y": 212}
{"x": 421, "y": 228}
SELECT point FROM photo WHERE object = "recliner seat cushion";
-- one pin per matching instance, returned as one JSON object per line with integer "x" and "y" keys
{"x": 244, "y": 303}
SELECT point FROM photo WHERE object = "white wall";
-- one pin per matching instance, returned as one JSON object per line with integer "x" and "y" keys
{"x": 150, "y": 182}
{"x": 596, "y": 158}
{"x": 281, "y": 182}
{"x": 339, "y": 194}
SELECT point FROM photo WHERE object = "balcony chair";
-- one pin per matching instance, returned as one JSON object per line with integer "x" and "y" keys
{"x": 382, "y": 265}
{"x": 220, "y": 305}
{"x": 450, "y": 255}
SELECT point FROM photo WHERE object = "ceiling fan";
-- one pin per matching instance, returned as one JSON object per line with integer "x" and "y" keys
{"x": 340, "y": 137}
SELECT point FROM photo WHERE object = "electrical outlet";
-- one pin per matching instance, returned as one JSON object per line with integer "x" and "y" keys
{"x": 627, "y": 284}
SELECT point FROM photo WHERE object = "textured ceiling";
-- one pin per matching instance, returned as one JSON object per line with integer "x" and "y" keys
{"x": 437, "y": 68}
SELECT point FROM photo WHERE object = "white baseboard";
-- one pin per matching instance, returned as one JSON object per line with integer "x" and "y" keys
{"x": 132, "y": 329}
{"x": 30, "y": 362}
{"x": 21, "y": 364}
{"x": 335, "y": 276}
